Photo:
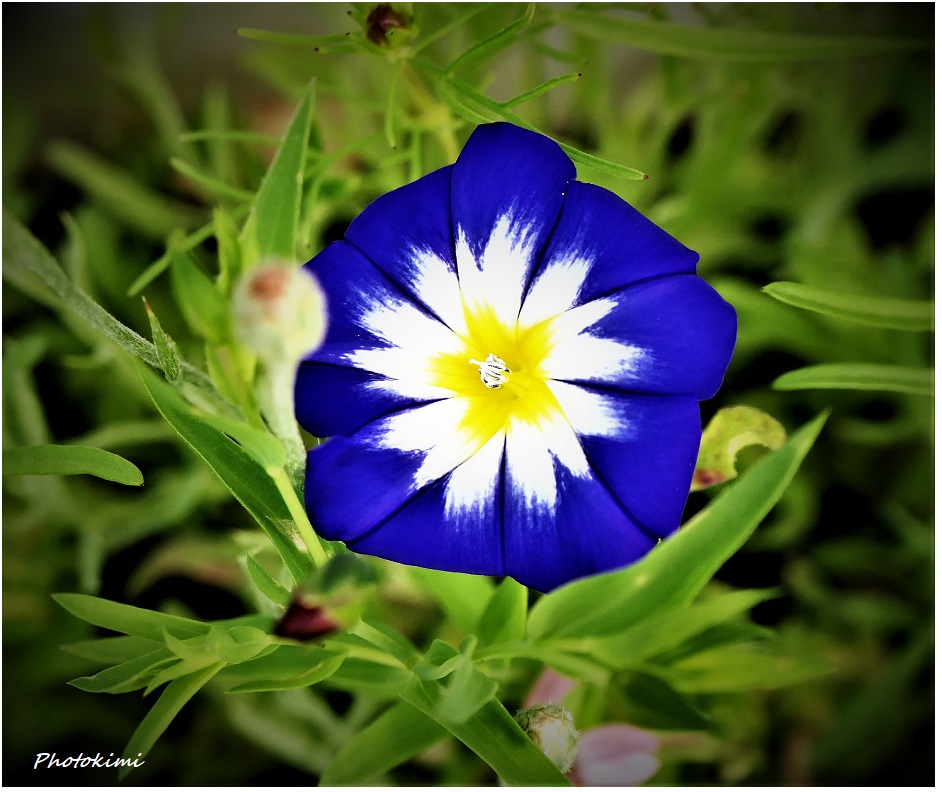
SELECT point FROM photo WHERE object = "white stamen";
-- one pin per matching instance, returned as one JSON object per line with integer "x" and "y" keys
{"x": 493, "y": 371}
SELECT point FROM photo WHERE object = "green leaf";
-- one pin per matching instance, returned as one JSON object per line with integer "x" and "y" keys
{"x": 859, "y": 376}
{"x": 732, "y": 429}
{"x": 745, "y": 667}
{"x": 227, "y": 243}
{"x": 128, "y": 619}
{"x": 730, "y": 44}
{"x": 204, "y": 307}
{"x": 167, "y": 352}
{"x": 462, "y": 596}
{"x": 70, "y": 460}
{"x": 542, "y": 88}
{"x": 888, "y": 312}
{"x": 396, "y": 736}
{"x": 494, "y": 736}
{"x": 318, "y": 673}
{"x": 23, "y": 253}
{"x": 250, "y": 484}
{"x": 490, "y": 46}
{"x": 132, "y": 674}
{"x": 289, "y": 660}
{"x": 667, "y": 630}
{"x": 505, "y": 618}
{"x": 338, "y": 42}
{"x": 112, "y": 650}
{"x": 264, "y": 448}
{"x": 213, "y": 185}
{"x": 679, "y": 567}
{"x": 171, "y": 701}
{"x": 146, "y": 212}
{"x": 653, "y": 703}
{"x": 272, "y": 227}
{"x": 265, "y": 583}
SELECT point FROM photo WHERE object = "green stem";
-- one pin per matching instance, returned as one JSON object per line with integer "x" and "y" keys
{"x": 313, "y": 544}
{"x": 276, "y": 399}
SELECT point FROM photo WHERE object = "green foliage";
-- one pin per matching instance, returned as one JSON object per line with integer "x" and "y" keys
{"x": 782, "y": 636}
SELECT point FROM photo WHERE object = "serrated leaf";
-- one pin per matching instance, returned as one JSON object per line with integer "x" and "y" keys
{"x": 244, "y": 477}
{"x": 859, "y": 376}
{"x": 272, "y": 226}
{"x": 678, "y": 568}
{"x": 70, "y": 460}
{"x": 171, "y": 701}
{"x": 730, "y": 44}
{"x": 731, "y": 430}
{"x": 889, "y": 312}
{"x": 396, "y": 736}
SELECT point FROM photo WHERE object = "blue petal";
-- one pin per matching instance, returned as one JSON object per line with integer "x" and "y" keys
{"x": 589, "y": 533}
{"x": 647, "y": 457}
{"x": 361, "y": 372}
{"x": 617, "y": 243}
{"x": 507, "y": 190}
{"x": 422, "y": 534}
{"x": 407, "y": 231}
{"x": 374, "y": 497}
{"x": 671, "y": 335}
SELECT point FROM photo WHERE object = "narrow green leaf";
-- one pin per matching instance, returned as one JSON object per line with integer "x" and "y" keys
{"x": 156, "y": 269}
{"x": 338, "y": 42}
{"x": 23, "y": 252}
{"x": 859, "y": 376}
{"x": 318, "y": 673}
{"x": 213, "y": 185}
{"x": 396, "y": 736}
{"x": 730, "y": 44}
{"x": 542, "y": 88}
{"x": 505, "y": 618}
{"x": 167, "y": 352}
{"x": 204, "y": 306}
{"x": 494, "y": 736}
{"x": 250, "y": 484}
{"x": 171, "y": 701}
{"x": 70, "y": 460}
{"x": 679, "y": 567}
{"x": 151, "y": 215}
{"x": 730, "y": 668}
{"x": 888, "y": 312}
{"x": 125, "y": 677}
{"x": 667, "y": 630}
{"x": 490, "y": 46}
{"x": 272, "y": 227}
{"x": 266, "y": 449}
{"x": 128, "y": 619}
{"x": 227, "y": 243}
{"x": 463, "y": 597}
{"x": 731, "y": 430}
{"x": 653, "y": 703}
{"x": 112, "y": 650}
{"x": 265, "y": 583}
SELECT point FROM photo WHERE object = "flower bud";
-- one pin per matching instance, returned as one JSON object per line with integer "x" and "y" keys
{"x": 279, "y": 312}
{"x": 554, "y": 732}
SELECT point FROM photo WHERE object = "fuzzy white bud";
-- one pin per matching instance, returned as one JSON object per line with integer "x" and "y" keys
{"x": 280, "y": 312}
{"x": 554, "y": 732}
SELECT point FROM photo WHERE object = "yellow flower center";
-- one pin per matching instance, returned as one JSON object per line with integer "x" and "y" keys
{"x": 499, "y": 372}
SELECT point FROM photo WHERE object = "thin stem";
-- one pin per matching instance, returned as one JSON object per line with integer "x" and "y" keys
{"x": 313, "y": 544}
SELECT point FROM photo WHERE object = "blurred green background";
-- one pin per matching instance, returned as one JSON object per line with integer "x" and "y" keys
{"x": 816, "y": 171}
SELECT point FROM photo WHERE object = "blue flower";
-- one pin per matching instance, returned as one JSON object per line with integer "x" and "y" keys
{"x": 511, "y": 371}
